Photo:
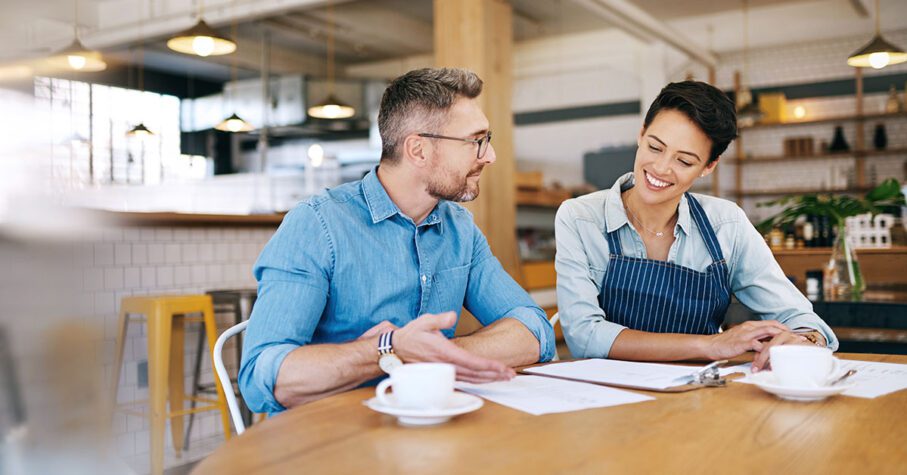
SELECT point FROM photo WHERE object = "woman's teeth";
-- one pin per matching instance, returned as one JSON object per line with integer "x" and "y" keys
{"x": 656, "y": 182}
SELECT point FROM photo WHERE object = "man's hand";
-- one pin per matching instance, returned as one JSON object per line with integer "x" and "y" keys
{"x": 786, "y": 338}
{"x": 742, "y": 338}
{"x": 421, "y": 340}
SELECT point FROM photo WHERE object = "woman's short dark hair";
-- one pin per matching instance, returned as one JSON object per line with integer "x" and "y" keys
{"x": 709, "y": 108}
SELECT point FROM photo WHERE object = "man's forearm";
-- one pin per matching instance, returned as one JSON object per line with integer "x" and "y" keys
{"x": 312, "y": 372}
{"x": 506, "y": 340}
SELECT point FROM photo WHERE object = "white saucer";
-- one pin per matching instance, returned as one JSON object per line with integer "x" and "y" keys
{"x": 459, "y": 403}
{"x": 769, "y": 383}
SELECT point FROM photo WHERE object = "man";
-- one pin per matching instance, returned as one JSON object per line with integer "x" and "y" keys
{"x": 389, "y": 261}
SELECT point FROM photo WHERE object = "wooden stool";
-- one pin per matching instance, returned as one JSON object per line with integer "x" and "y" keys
{"x": 165, "y": 316}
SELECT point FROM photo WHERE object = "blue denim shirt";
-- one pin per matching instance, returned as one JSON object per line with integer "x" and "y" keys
{"x": 582, "y": 259}
{"x": 345, "y": 260}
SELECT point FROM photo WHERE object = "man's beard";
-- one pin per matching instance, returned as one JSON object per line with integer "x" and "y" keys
{"x": 458, "y": 192}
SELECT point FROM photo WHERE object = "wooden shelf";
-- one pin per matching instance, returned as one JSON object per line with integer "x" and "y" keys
{"x": 544, "y": 198}
{"x": 825, "y": 120}
{"x": 186, "y": 219}
{"x": 824, "y": 251}
{"x": 849, "y": 154}
{"x": 801, "y": 191}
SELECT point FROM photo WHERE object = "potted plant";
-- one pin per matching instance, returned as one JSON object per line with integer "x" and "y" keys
{"x": 842, "y": 273}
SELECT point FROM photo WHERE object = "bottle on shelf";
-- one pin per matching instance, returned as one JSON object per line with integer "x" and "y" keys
{"x": 776, "y": 239}
{"x": 880, "y": 137}
{"x": 838, "y": 142}
{"x": 808, "y": 236}
{"x": 893, "y": 104}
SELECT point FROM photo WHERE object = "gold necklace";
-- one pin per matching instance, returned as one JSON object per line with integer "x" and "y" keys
{"x": 656, "y": 233}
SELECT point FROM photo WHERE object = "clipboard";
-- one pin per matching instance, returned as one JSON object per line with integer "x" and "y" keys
{"x": 705, "y": 377}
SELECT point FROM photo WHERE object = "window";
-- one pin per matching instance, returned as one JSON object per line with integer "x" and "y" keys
{"x": 88, "y": 126}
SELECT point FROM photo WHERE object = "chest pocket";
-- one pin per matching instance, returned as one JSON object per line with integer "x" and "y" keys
{"x": 448, "y": 290}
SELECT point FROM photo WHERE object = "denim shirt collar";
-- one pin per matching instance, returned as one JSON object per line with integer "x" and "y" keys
{"x": 382, "y": 207}
{"x": 616, "y": 215}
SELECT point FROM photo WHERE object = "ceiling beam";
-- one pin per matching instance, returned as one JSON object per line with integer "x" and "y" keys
{"x": 164, "y": 24}
{"x": 638, "y": 23}
{"x": 403, "y": 34}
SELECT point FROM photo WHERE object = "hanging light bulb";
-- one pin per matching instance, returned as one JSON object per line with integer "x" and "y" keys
{"x": 201, "y": 40}
{"x": 331, "y": 108}
{"x": 234, "y": 123}
{"x": 878, "y": 53}
{"x": 76, "y": 56}
{"x": 140, "y": 131}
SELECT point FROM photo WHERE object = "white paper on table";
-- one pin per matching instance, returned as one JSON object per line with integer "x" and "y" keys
{"x": 621, "y": 373}
{"x": 539, "y": 395}
{"x": 873, "y": 379}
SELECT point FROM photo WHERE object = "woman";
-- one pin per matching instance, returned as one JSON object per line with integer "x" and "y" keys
{"x": 646, "y": 270}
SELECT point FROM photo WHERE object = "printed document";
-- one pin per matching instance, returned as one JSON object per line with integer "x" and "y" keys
{"x": 655, "y": 376}
{"x": 539, "y": 395}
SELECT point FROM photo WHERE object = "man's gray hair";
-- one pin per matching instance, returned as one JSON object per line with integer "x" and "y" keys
{"x": 418, "y": 102}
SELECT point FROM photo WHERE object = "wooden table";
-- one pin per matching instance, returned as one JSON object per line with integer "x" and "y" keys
{"x": 736, "y": 429}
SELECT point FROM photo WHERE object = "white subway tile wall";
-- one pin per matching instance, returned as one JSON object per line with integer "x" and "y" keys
{"x": 164, "y": 260}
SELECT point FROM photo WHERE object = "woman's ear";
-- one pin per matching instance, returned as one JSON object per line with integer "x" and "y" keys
{"x": 709, "y": 168}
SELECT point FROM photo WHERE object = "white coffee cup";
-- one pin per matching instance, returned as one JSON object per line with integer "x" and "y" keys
{"x": 419, "y": 386}
{"x": 803, "y": 366}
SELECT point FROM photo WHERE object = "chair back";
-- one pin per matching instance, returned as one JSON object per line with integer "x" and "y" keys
{"x": 553, "y": 321}
{"x": 223, "y": 378}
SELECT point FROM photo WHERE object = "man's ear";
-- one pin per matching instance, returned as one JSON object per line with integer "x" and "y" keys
{"x": 416, "y": 150}
{"x": 710, "y": 167}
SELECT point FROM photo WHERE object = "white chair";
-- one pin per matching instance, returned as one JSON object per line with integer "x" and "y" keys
{"x": 224, "y": 378}
{"x": 553, "y": 321}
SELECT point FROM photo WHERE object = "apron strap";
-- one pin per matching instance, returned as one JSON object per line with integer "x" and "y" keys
{"x": 705, "y": 228}
{"x": 614, "y": 243}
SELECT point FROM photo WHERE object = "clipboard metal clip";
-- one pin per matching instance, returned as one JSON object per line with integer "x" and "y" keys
{"x": 710, "y": 375}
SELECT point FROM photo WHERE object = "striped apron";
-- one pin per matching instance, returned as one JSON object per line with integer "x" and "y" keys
{"x": 657, "y": 296}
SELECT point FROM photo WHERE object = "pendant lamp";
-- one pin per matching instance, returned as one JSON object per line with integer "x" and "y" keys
{"x": 878, "y": 53}
{"x": 234, "y": 123}
{"x": 331, "y": 108}
{"x": 201, "y": 40}
{"x": 76, "y": 56}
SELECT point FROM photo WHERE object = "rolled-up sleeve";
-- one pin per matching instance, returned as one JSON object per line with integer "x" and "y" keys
{"x": 759, "y": 283}
{"x": 293, "y": 273}
{"x": 588, "y": 333}
{"x": 492, "y": 294}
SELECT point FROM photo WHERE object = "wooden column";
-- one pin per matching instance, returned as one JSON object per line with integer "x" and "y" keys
{"x": 478, "y": 35}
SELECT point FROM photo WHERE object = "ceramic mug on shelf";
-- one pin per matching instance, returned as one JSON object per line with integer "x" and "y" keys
{"x": 418, "y": 386}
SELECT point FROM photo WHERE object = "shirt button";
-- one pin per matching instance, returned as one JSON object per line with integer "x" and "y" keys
{"x": 424, "y": 278}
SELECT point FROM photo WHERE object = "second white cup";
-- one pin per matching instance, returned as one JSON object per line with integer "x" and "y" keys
{"x": 419, "y": 386}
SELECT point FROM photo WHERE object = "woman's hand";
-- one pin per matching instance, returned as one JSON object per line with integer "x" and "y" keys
{"x": 760, "y": 361}
{"x": 741, "y": 338}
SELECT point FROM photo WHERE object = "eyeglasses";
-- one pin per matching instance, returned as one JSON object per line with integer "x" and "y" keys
{"x": 481, "y": 142}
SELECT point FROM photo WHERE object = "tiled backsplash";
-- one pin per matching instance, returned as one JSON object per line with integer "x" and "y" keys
{"x": 96, "y": 274}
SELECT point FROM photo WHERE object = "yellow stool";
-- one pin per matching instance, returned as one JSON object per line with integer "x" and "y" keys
{"x": 166, "y": 317}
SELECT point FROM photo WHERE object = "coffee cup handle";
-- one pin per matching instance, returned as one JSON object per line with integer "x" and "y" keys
{"x": 381, "y": 392}
{"x": 835, "y": 369}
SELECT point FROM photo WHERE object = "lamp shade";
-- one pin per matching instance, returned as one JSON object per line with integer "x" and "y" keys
{"x": 201, "y": 40}
{"x": 77, "y": 57}
{"x": 139, "y": 131}
{"x": 332, "y": 108}
{"x": 877, "y": 54}
{"x": 234, "y": 123}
